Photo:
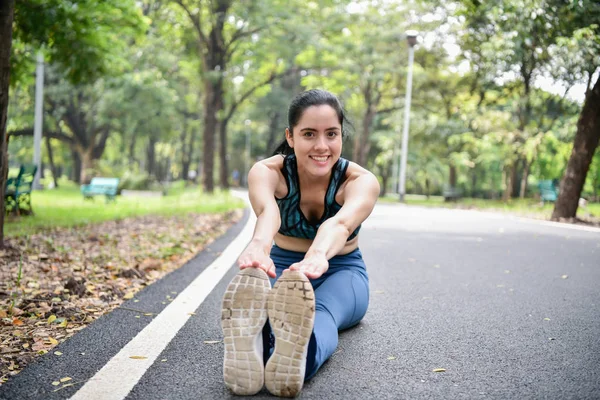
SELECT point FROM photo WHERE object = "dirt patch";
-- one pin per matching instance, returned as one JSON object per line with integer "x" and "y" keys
{"x": 55, "y": 283}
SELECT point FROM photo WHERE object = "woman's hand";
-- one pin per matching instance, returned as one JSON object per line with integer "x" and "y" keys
{"x": 312, "y": 266}
{"x": 254, "y": 256}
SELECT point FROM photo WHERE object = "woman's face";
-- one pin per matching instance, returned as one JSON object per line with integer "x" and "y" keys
{"x": 317, "y": 140}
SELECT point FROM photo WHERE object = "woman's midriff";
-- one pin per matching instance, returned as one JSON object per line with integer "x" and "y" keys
{"x": 302, "y": 245}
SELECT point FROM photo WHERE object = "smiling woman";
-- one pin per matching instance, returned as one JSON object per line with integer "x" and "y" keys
{"x": 310, "y": 203}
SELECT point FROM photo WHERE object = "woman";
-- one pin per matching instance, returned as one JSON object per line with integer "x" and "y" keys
{"x": 310, "y": 202}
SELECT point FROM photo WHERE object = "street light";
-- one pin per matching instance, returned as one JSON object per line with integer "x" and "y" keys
{"x": 247, "y": 167}
{"x": 37, "y": 122}
{"x": 411, "y": 37}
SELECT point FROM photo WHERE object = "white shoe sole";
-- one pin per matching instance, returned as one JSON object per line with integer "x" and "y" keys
{"x": 291, "y": 315}
{"x": 243, "y": 316}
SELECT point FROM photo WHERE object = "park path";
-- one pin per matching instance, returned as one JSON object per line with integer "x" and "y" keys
{"x": 508, "y": 307}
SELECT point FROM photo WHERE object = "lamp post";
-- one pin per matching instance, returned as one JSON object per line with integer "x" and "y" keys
{"x": 38, "y": 116}
{"x": 247, "y": 166}
{"x": 411, "y": 37}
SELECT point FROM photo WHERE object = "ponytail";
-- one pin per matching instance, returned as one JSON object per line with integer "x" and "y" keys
{"x": 284, "y": 149}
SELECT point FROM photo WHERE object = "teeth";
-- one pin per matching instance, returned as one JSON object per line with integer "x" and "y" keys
{"x": 321, "y": 159}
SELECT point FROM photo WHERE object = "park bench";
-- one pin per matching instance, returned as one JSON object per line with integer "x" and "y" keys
{"x": 17, "y": 193}
{"x": 548, "y": 190}
{"x": 101, "y": 186}
{"x": 451, "y": 193}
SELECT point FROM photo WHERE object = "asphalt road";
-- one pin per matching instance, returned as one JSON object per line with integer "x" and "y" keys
{"x": 509, "y": 307}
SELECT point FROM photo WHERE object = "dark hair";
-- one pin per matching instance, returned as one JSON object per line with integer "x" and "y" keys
{"x": 314, "y": 97}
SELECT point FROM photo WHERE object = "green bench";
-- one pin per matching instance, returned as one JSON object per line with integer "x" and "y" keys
{"x": 17, "y": 193}
{"x": 451, "y": 193}
{"x": 548, "y": 190}
{"x": 101, "y": 186}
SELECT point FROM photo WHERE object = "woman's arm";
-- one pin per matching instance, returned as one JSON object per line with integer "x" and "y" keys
{"x": 360, "y": 196}
{"x": 262, "y": 183}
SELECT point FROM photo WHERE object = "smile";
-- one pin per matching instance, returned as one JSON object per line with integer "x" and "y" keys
{"x": 319, "y": 158}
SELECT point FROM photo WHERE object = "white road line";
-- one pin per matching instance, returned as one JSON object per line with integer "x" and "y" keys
{"x": 116, "y": 379}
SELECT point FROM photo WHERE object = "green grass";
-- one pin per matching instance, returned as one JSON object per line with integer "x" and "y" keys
{"x": 514, "y": 206}
{"x": 65, "y": 207}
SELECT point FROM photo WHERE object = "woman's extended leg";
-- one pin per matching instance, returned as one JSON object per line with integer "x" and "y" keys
{"x": 341, "y": 302}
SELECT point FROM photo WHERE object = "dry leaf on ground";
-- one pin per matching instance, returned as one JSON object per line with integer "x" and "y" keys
{"x": 71, "y": 277}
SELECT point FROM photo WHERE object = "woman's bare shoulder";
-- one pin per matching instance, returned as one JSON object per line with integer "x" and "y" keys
{"x": 274, "y": 162}
{"x": 274, "y": 166}
{"x": 354, "y": 171}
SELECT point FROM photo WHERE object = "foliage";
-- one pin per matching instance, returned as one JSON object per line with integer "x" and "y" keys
{"x": 86, "y": 38}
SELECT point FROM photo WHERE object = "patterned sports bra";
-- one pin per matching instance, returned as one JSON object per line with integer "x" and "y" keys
{"x": 293, "y": 221}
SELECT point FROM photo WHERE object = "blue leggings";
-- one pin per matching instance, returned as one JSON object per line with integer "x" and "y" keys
{"x": 341, "y": 296}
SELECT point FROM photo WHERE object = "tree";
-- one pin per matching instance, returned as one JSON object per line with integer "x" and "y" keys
{"x": 6, "y": 22}
{"x": 584, "y": 146}
{"x": 587, "y": 42}
{"x": 85, "y": 38}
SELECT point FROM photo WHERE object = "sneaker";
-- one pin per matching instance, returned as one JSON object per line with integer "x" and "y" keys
{"x": 291, "y": 316}
{"x": 243, "y": 316}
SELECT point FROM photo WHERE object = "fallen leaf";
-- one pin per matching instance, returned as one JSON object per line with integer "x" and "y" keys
{"x": 58, "y": 353}
{"x": 53, "y": 341}
{"x": 439, "y": 370}
{"x": 163, "y": 360}
{"x": 17, "y": 333}
{"x": 128, "y": 296}
{"x": 138, "y": 357}
{"x": 65, "y": 379}
{"x": 565, "y": 276}
{"x": 55, "y": 383}
{"x": 51, "y": 318}
{"x": 391, "y": 358}
{"x": 150, "y": 264}
{"x": 148, "y": 314}
{"x": 212, "y": 341}
{"x": 17, "y": 322}
{"x": 25, "y": 345}
{"x": 191, "y": 313}
{"x": 63, "y": 324}
{"x": 3, "y": 314}
{"x": 546, "y": 319}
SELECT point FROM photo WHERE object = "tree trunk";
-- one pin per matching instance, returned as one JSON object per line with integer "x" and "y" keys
{"x": 76, "y": 171}
{"x": 274, "y": 133}
{"x": 51, "y": 158}
{"x": 223, "y": 153}
{"x": 185, "y": 155}
{"x": 151, "y": 156}
{"x": 452, "y": 178}
{"x": 7, "y": 8}
{"x": 213, "y": 103}
{"x": 523, "y": 189}
{"x": 132, "y": 150}
{"x": 510, "y": 179}
{"x": 584, "y": 146}
{"x": 362, "y": 144}
{"x": 87, "y": 167}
